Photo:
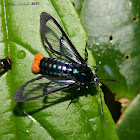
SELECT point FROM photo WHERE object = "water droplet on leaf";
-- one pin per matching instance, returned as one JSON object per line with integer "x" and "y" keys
{"x": 21, "y": 54}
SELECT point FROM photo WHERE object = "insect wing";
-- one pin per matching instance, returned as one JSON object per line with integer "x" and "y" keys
{"x": 57, "y": 40}
{"x": 41, "y": 86}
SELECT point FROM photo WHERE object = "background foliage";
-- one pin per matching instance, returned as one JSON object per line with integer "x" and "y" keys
{"x": 114, "y": 39}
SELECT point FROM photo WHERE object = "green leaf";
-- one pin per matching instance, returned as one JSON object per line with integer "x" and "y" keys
{"x": 45, "y": 118}
{"x": 129, "y": 126}
{"x": 114, "y": 38}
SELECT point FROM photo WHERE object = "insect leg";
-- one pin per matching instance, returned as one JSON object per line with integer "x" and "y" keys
{"x": 61, "y": 49}
{"x": 86, "y": 86}
{"x": 101, "y": 103}
{"x": 70, "y": 102}
{"x": 94, "y": 69}
{"x": 86, "y": 53}
{"x": 78, "y": 88}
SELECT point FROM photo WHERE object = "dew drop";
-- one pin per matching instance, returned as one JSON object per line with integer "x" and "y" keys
{"x": 97, "y": 43}
{"x": 100, "y": 62}
{"x": 103, "y": 51}
{"x": 98, "y": 54}
{"x": 21, "y": 54}
{"x": 129, "y": 3}
{"x": 96, "y": 50}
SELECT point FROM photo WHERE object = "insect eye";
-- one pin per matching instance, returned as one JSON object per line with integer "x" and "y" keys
{"x": 95, "y": 79}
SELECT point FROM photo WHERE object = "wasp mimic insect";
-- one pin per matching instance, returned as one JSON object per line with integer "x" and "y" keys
{"x": 59, "y": 74}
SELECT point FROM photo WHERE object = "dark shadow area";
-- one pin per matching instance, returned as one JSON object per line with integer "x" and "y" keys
{"x": 24, "y": 108}
{"x": 114, "y": 106}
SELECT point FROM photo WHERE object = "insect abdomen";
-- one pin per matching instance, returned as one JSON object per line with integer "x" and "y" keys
{"x": 52, "y": 66}
{"x": 56, "y": 67}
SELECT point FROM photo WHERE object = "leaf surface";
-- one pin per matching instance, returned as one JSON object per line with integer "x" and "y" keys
{"x": 114, "y": 38}
{"x": 45, "y": 118}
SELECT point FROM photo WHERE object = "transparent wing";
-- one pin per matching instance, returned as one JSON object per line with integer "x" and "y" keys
{"x": 57, "y": 40}
{"x": 42, "y": 86}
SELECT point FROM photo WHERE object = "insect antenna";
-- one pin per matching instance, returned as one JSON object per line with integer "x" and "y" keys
{"x": 101, "y": 102}
{"x": 109, "y": 80}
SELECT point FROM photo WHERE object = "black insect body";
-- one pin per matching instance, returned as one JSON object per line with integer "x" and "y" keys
{"x": 59, "y": 74}
{"x": 5, "y": 64}
{"x": 62, "y": 68}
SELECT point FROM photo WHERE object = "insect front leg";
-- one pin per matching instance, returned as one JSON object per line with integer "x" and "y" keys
{"x": 61, "y": 49}
{"x": 78, "y": 88}
{"x": 86, "y": 59}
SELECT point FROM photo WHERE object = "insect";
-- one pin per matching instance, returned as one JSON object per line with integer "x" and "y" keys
{"x": 60, "y": 74}
{"x": 5, "y": 64}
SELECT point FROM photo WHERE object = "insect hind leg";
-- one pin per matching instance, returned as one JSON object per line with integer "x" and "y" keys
{"x": 70, "y": 102}
{"x": 78, "y": 88}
